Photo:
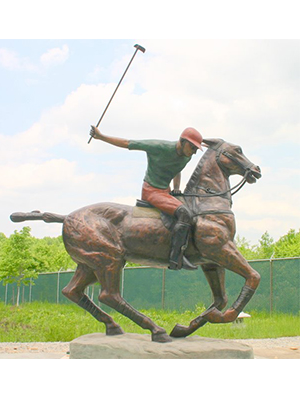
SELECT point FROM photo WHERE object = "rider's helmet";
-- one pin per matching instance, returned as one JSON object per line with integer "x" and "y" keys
{"x": 193, "y": 136}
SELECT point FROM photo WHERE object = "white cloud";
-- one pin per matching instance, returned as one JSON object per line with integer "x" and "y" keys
{"x": 129, "y": 200}
{"x": 244, "y": 92}
{"x": 52, "y": 173}
{"x": 11, "y": 61}
{"x": 268, "y": 205}
{"x": 235, "y": 89}
{"x": 224, "y": 88}
{"x": 55, "y": 56}
{"x": 95, "y": 75}
{"x": 55, "y": 185}
{"x": 253, "y": 229}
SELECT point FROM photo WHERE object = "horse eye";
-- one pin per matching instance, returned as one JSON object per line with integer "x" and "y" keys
{"x": 239, "y": 150}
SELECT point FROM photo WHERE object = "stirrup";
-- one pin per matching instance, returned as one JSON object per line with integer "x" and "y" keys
{"x": 186, "y": 264}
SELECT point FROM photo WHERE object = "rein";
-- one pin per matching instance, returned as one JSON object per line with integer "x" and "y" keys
{"x": 212, "y": 193}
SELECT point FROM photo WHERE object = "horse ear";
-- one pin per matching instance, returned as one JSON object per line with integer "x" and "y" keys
{"x": 212, "y": 142}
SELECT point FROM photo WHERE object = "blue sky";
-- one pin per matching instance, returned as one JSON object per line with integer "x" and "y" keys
{"x": 244, "y": 91}
{"x": 30, "y": 82}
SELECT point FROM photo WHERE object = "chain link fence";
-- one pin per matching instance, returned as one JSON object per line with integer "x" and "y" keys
{"x": 146, "y": 287}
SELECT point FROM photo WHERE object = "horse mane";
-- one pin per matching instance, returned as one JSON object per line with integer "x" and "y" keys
{"x": 213, "y": 144}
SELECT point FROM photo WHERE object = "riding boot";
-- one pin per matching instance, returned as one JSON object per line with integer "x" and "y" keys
{"x": 178, "y": 245}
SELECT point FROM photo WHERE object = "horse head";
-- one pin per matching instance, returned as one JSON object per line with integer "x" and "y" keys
{"x": 208, "y": 189}
{"x": 232, "y": 161}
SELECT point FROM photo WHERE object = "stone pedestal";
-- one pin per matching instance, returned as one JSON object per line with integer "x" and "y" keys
{"x": 135, "y": 346}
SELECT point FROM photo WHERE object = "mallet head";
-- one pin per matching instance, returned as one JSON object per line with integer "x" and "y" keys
{"x": 137, "y": 46}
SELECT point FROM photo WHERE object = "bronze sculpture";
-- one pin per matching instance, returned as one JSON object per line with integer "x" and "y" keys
{"x": 102, "y": 237}
{"x": 165, "y": 161}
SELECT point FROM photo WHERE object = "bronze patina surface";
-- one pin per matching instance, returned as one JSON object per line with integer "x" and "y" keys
{"x": 100, "y": 238}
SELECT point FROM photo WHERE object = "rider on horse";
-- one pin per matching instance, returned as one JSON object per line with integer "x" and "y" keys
{"x": 166, "y": 160}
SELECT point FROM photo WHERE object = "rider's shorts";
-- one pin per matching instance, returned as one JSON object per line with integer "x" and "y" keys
{"x": 160, "y": 198}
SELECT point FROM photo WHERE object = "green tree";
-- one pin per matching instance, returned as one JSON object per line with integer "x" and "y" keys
{"x": 17, "y": 264}
{"x": 51, "y": 254}
{"x": 2, "y": 238}
{"x": 266, "y": 246}
{"x": 245, "y": 248}
{"x": 288, "y": 245}
{"x": 264, "y": 250}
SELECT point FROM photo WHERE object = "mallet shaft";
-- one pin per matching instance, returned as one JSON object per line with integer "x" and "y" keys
{"x": 138, "y": 47}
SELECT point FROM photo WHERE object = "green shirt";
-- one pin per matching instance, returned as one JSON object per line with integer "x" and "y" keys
{"x": 164, "y": 163}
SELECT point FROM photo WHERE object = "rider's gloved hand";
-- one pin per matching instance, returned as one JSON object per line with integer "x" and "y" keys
{"x": 95, "y": 133}
{"x": 176, "y": 192}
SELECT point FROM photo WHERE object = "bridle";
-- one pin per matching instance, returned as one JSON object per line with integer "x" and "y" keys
{"x": 219, "y": 152}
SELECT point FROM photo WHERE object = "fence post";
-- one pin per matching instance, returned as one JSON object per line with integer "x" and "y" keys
{"x": 30, "y": 288}
{"x": 271, "y": 283}
{"x": 57, "y": 288}
{"x": 122, "y": 282}
{"x": 5, "y": 294}
{"x": 163, "y": 289}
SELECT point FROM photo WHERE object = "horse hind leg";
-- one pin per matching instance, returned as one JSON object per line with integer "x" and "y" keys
{"x": 215, "y": 276}
{"x": 74, "y": 291}
{"x": 110, "y": 295}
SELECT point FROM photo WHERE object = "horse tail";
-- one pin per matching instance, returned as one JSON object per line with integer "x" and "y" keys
{"x": 37, "y": 215}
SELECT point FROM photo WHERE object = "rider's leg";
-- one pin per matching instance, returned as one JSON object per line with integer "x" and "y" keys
{"x": 169, "y": 204}
{"x": 180, "y": 237}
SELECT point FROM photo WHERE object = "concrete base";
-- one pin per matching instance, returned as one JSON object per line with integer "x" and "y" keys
{"x": 134, "y": 346}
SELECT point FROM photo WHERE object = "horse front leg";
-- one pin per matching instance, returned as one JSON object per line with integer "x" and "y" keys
{"x": 215, "y": 276}
{"x": 234, "y": 261}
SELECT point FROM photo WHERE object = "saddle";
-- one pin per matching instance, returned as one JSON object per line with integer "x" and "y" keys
{"x": 143, "y": 209}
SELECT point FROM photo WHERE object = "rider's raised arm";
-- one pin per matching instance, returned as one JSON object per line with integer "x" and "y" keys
{"x": 119, "y": 142}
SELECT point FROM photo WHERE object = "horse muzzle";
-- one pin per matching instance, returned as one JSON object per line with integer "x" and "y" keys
{"x": 253, "y": 173}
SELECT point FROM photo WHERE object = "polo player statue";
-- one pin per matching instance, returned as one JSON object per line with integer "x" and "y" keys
{"x": 189, "y": 229}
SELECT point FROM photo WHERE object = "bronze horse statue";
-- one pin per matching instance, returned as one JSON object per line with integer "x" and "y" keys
{"x": 100, "y": 238}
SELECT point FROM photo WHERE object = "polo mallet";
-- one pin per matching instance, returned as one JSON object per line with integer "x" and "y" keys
{"x": 137, "y": 47}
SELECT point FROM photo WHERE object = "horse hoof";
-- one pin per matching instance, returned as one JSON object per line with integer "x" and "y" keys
{"x": 179, "y": 331}
{"x": 161, "y": 337}
{"x": 116, "y": 330}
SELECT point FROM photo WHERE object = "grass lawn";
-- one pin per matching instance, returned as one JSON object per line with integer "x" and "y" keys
{"x": 45, "y": 322}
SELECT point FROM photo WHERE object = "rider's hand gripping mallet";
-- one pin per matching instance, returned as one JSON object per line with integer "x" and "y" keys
{"x": 137, "y": 47}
